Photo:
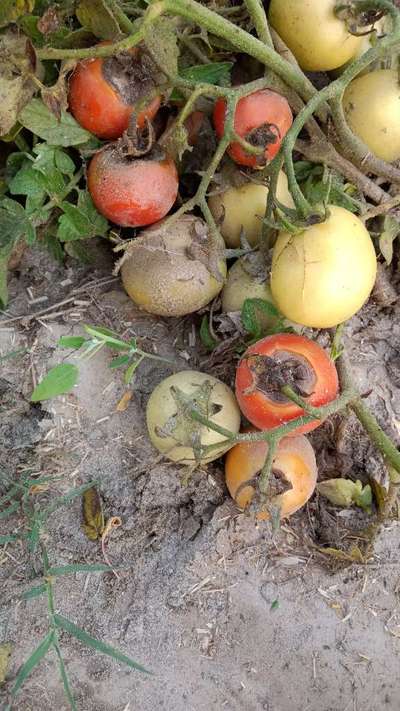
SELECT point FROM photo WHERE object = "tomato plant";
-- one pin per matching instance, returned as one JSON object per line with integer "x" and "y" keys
{"x": 129, "y": 191}
{"x": 293, "y": 476}
{"x": 262, "y": 119}
{"x": 278, "y": 360}
{"x": 104, "y": 93}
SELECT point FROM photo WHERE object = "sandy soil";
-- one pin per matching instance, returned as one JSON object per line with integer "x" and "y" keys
{"x": 226, "y": 614}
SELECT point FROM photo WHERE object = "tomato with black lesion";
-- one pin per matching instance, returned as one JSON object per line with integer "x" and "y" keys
{"x": 262, "y": 119}
{"x": 105, "y": 92}
{"x": 276, "y": 361}
{"x": 291, "y": 482}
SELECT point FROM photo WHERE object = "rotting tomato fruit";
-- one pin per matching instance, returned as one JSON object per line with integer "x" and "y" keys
{"x": 132, "y": 191}
{"x": 275, "y": 361}
{"x": 171, "y": 270}
{"x": 262, "y": 119}
{"x": 104, "y": 93}
{"x": 292, "y": 480}
{"x": 172, "y": 430}
{"x": 318, "y": 38}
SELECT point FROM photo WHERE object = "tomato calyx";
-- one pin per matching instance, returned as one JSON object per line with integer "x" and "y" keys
{"x": 131, "y": 75}
{"x": 272, "y": 373}
{"x": 137, "y": 142}
{"x": 199, "y": 249}
{"x": 355, "y": 20}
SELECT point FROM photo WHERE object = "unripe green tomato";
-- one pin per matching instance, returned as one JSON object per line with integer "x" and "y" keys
{"x": 372, "y": 107}
{"x": 319, "y": 40}
{"x": 245, "y": 283}
{"x": 323, "y": 275}
{"x": 168, "y": 430}
{"x": 244, "y": 208}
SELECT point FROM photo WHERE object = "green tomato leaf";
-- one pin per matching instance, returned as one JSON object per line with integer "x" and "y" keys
{"x": 48, "y": 157}
{"x": 218, "y": 73}
{"x": 97, "y": 17}
{"x": 59, "y": 380}
{"x": 28, "y": 182}
{"x": 207, "y": 339}
{"x": 261, "y": 317}
{"x": 81, "y": 221}
{"x": 14, "y": 223}
{"x": 36, "y": 117}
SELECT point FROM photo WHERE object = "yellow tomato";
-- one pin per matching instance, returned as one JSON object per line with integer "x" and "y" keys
{"x": 243, "y": 208}
{"x": 247, "y": 279}
{"x": 372, "y": 108}
{"x": 319, "y": 40}
{"x": 324, "y": 274}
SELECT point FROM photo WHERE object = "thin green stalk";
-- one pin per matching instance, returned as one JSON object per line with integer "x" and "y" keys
{"x": 381, "y": 441}
{"x": 263, "y": 481}
{"x": 257, "y": 13}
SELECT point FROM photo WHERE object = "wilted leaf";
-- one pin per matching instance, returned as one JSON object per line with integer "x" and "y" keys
{"x": 11, "y": 10}
{"x": 162, "y": 44}
{"x": 5, "y": 652}
{"x": 98, "y": 18}
{"x": 380, "y": 494}
{"x": 39, "y": 119}
{"x": 175, "y": 141}
{"x": 124, "y": 402}
{"x": 49, "y": 22}
{"x": 59, "y": 380}
{"x": 345, "y": 493}
{"x": 16, "y": 71}
{"x": 354, "y": 555}
{"x": 92, "y": 513}
{"x": 391, "y": 230}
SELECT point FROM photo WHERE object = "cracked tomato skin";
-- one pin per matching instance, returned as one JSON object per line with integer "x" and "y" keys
{"x": 263, "y": 411}
{"x": 294, "y": 458}
{"x": 252, "y": 112}
{"x": 98, "y": 106}
{"x": 132, "y": 192}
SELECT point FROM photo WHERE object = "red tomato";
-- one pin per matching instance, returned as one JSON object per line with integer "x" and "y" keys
{"x": 262, "y": 119}
{"x": 284, "y": 359}
{"x": 132, "y": 192}
{"x": 103, "y": 93}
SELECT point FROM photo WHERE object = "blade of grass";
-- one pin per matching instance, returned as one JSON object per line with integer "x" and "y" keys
{"x": 79, "y": 568}
{"x": 96, "y": 644}
{"x": 34, "y": 592}
{"x": 10, "y": 510}
{"x": 7, "y": 539}
{"x": 64, "y": 677}
{"x": 28, "y": 666}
